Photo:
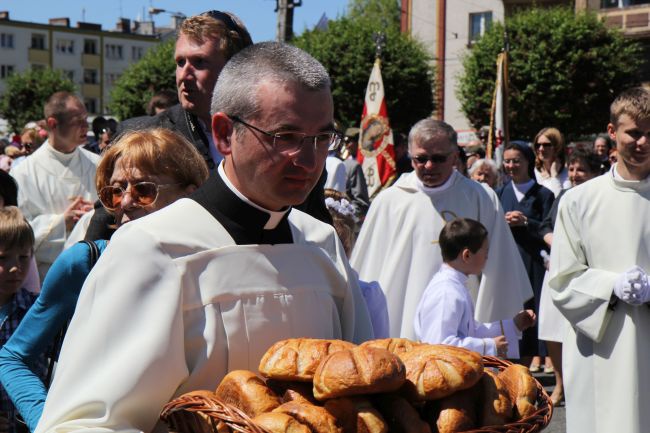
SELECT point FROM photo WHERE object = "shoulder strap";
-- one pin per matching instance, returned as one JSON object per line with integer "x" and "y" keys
{"x": 93, "y": 256}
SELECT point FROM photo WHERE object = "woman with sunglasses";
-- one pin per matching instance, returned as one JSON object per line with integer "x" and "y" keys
{"x": 141, "y": 173}
{"x": 526, "y": 203}
{"x": 550, "y": 171}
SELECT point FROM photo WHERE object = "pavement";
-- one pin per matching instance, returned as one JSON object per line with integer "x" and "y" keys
{"x": 558, "y": 422}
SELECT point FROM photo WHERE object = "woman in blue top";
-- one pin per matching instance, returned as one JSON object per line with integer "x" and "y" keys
{"x": 141, "y": 173}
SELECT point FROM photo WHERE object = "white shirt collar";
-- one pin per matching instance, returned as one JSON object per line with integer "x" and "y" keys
{"x": 429, "y": 190}
{"x": 274, "y": 216}
{"x": 521, "y": 189}
{"x": 453, "y": 274}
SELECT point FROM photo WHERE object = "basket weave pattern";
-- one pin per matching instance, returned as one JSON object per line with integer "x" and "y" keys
{"x": 196, "y": 414}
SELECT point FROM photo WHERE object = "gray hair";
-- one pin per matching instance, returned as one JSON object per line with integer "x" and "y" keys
{"x": 480, "y": 163}
{"x": 236, "y": 90}
{"x": 428, "y": 128}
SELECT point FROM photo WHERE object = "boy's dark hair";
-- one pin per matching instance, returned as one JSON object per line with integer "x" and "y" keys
{"x": 461, "y": 233}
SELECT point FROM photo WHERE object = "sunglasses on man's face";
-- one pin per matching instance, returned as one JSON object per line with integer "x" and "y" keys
{"x": 142, "y": 194}
{"x": 436, "y": 159}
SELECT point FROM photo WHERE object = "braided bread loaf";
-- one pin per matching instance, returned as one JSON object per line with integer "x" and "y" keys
{"x": 297, "y": 358}
{"x": 437, "y": 371}
{"x": 393, "y": 345}
{"x": 360, "y": 370}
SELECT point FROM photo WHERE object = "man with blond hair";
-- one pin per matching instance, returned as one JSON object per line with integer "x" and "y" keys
{"x": 599, "y": 281}
{"x": 204, "y": 44}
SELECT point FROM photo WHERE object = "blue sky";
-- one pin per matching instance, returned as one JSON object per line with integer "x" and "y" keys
{"x": 258, "y": 15}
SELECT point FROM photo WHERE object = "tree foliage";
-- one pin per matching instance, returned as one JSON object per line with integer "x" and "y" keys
{"x": 564, "y": 71}
{"x": 347, "y": 50}
{"x": 25, "y": 95}
{"x": 154, "y": 72}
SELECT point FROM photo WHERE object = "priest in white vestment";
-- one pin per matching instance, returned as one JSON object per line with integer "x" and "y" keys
{"x": 56, "y": 184}
{"x": 205, "y": 286}
{"x": 398, "y": 243}
{"x": 600, "y": 262}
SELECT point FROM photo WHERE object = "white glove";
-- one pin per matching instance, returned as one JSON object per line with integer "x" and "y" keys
{"x": 632, "y": 286}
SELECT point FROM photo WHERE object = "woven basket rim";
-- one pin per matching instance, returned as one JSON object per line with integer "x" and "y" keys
{"x": 217, "y": 410}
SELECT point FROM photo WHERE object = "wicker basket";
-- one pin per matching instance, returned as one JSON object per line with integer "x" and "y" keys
{"x": 196, "y": 414}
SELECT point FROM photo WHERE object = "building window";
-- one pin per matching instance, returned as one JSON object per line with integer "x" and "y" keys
{"x": 114, "y": 52}
{"x": 90, "y": 46}
{"x": 6, "y": 40}
{"x": 137, "y": 53}
{"x": 608, "y": 4}
{"x": 111, "y": 79}
{"x": 38, "y": 41}
{"x": 90, "y": 76}
{"x": 37, "y": 67}
{"x": 6, "y": 71}
{"x": 479, "y": 23}
{"x": 65, "y": 46}
{"x": 91, "y": 105}
{"x": 69, "y": 74}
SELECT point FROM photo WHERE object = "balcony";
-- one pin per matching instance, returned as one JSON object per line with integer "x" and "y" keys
{"x": 632, "y": 20}
{"x": 91, "y": 90}
{"x": 90, "y": 61}
{"x": 39, "y": 56}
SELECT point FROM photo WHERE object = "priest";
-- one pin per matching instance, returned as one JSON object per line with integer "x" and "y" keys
{"x": 205, "y": 286}
{"x": 398, "y": 243}
{"x": 56, "y": 184}
{"x": 600, "y": 262}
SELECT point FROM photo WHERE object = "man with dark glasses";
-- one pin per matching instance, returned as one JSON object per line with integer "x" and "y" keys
{"x": 225, "y": 273}
{"x": 398, "y": 243}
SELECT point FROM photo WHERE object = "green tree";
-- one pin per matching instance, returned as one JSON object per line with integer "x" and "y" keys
{"x": 26, "y": 93}
{"x": 347, "y": 50}
{"x": 154, "y": 72}
{"x": 564, "y": 71}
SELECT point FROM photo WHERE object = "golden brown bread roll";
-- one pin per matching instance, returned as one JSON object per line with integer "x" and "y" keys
{"x": 247, "y": 392}
{"x": 496, "y": 407}
{"x": 280, "y": 423}
{"x": 297, "y": 358}
{"x": 356, "y": 415}
{"x": 436, "y": 371}
{"x": 522, "y": 389}
{"x": 458, "y": 412}
{"x": 315, "y": 417}
{"x": 400, "y": 415}
{"x": 293, "y": 391}
{"x": 361, "y": 370}
{"x": 393, "y": 345}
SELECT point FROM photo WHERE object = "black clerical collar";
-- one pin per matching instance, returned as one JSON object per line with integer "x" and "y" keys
{"x": 243, "y": 221}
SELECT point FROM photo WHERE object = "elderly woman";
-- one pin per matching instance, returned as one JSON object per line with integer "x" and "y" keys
{"x": 141, "y": 173}
{"x": 550, "y": 171}
{"x": 583, "y": 166}
{"x": 485, "y": 171}
{"x": 526, "y": 203}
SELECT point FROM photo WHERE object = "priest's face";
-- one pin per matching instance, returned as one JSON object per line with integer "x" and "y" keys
{"x": 258, "y": 167}
{"x": 433, "y": 160}
{"x": 72, "y": 130}
{"x": 632, "y": 139}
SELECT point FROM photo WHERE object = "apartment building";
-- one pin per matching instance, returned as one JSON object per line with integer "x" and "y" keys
{"x": 449, "y": 27}
{"x": 93, "y": 58}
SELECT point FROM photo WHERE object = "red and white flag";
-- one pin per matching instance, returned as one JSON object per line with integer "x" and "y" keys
{"x": 376, "y": 154}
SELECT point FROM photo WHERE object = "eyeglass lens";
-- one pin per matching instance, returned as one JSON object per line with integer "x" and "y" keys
{"x": 436, "y": 159}
{"x": 142, "y": 193}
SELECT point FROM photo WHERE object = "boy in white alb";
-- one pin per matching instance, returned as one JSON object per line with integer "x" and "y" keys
{"x": 445, "y": 314}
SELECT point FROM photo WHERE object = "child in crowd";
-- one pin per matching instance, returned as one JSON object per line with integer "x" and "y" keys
{"x": 16, "y": 249}
{"x": 445, "y": 314}
{"x": 343, "y": 217}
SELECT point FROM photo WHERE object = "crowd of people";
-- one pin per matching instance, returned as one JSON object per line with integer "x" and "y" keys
{"x": 180, "y": 245}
